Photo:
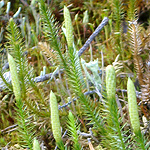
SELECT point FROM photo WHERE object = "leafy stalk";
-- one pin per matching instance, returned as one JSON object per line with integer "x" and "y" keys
{"x": 118, "y": 14}
{"x": 24, "y": 130}
{"x": 132, "y": 9}
{"x": 115, "y": 134}
{"x": 50, "y": 28}
{"x": 73, "y": 131}
{"x": 75, "y": 78}
{"x": 25, "y": 127}
{"x": 16, "y": 49}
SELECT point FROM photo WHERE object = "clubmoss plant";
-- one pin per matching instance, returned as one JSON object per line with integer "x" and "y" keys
{"x": 105, "y": 120}
{"x": 15, "y": 47}
{"x": 134, "y": 116}
{"x": 72, "y": 126}
{"x": 51, "y": 31}
{"x": 118, "y": 14}
{"x": 55, "y": 120}
{"x": 115, "y": 133}
{"x": 25, "y": 132}
{"x": 76, "y": 82}
{"x": 132, "y": 10}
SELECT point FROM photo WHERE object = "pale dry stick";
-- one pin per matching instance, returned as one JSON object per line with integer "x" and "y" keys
{"x": 87, "y": 135}
{"x": 94, "y": 34}
{"x": 90, "y": 144}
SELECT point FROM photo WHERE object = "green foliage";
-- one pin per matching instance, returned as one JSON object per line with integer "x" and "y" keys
{"x": 132, "y": 10}
{"x": 115, "y": 133}
{"x": 24, "y": 129}
{"x": 102, "y": 113}
{"x": 50, "y": 28}
{"x": 73, "y": 131}
{"x": 76, "y": 83}
{"x": 118, "y": 13}
{"x": 15, "y": 47}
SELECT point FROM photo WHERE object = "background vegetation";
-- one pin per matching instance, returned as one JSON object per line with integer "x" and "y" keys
{"x": 94, "y": 108}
